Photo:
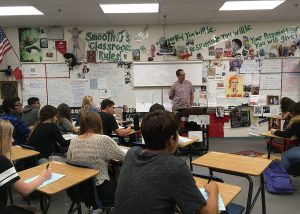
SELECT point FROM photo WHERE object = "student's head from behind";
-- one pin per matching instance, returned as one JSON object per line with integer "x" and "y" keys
{"x": 48, "y": 113}
{"x": 87, "y": 101}
{"x": 90, "y": 122}
{"x": 6, "y": 131}
{"x": 156, "y": 107}
{"x": 35, "y": 102}
{"x": 64, "y": 111}
{"x": 107, "y": 105}
{"x": 180, "y": 75}
{"x": 286, "y": 104}
{"x": 12, "y": 105}
{"x": 160, "y": 130}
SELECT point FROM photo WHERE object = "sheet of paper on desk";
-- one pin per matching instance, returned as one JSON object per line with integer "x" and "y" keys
{"x": 220, "y": 200}
{"x": 69, "y": 136}
{"x": 54, "y": 177}
{"x": 183, "y": 139}
{"x": 196, "y": 134}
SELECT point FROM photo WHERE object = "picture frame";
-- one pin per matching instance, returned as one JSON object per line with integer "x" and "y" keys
{"x": 49, "y": 55}
{"x": 272, "y": 100}
{"x": 43, "y": 43}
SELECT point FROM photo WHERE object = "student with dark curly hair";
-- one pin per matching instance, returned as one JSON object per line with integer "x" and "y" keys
{"x": 293, "y": 129}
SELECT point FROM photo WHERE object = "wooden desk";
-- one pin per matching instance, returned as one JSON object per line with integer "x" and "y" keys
{"x": 73, "y": 175}
{"x": 272, "y": 137}
{"x": 227, "y": 191}
{"x": 240, "y": 166}
{"x": 18, "y": 153}
{"x": 188, "y": 144}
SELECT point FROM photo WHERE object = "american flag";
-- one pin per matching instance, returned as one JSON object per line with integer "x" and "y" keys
{"x": 4, "y": 44}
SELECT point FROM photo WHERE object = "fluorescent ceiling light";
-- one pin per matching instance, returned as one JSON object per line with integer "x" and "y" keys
{"x": 130, "y": 8}
{"x": 19, "y": 10}
{"x": 250, "y": 5}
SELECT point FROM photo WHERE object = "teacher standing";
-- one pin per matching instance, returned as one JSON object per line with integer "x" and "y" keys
{"x": 181, "y": 92}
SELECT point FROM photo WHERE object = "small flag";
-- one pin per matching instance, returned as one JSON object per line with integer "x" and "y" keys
{"x": 18, "y": 73}
{"x": 4, "y": 44}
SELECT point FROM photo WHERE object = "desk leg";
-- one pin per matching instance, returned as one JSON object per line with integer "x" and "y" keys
{"x": 270, "y": 145}
{"x": 44, "y": 204}
{"x": 191, "y": 157}
{"x": 250, "y": 192}
{"x": 263, "y": 199}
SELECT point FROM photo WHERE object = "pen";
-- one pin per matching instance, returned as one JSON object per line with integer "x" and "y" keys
{"x": 47, "y": 166}
{"x": 209, "y": 179}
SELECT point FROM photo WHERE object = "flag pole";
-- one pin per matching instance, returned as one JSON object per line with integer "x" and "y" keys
{"x": 11, "y": 45}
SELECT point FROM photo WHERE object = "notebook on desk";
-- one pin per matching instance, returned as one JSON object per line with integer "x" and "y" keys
{"x": 220, "y": 200}
{"x": 54, "y": 177}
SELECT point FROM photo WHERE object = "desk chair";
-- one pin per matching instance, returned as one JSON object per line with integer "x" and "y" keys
{"x": 84, "y": 192}
{"x": 232, "y": 208}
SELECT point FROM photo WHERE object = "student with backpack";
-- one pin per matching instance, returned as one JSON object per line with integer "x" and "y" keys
{"x": 293, "y": 155}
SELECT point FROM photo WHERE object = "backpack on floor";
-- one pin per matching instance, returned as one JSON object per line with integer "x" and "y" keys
{"x": 277, "y": 179}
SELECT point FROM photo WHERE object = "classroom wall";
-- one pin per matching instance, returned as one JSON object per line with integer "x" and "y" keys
{"x": 192, "y": 42}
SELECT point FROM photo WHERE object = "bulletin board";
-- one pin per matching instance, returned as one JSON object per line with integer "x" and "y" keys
{"x": 164, "y": 73}
{"x": 52, "y": 84}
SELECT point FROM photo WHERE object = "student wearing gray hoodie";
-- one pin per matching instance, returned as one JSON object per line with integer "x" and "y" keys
{"x": 30, "y": 112}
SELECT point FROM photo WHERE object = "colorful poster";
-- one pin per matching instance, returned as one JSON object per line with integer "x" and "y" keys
{"x": 30, "y": 50}
{"x": 234, "y": 86}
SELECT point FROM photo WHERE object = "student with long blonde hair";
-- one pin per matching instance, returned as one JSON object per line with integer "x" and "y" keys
{"x": 8, "y": 174}
{"x": 86, "y": 105}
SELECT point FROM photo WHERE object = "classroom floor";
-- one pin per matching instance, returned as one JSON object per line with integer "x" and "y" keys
{"x": 275, "y": 204}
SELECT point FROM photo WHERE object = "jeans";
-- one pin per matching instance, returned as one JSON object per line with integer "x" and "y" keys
{"x": 290, "y": 156}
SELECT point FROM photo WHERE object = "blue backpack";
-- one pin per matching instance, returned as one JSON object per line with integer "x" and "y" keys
{"x": 277, "y": 179}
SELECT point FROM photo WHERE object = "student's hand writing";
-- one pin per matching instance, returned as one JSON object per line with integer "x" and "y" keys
{"x": 273, "y": 131}
{"x": 46, "y": 174}
{"x": 211, "y": 188}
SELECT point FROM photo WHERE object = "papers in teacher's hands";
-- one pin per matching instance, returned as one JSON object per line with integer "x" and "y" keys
{"x": 54, "y": 177}
{"x": 220, "y": 200}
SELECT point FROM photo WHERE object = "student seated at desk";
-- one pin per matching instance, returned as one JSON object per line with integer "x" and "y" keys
{"x": 108, "y": 120}
{"x": 156, "y": 107}
{"x": 153, "y": 180}
{"x": 97, "y": 150}
{"x": 12, "y": 108}
{"x": 64, "y": 117}
{"x": 46, "y": 137}
{"x": 293, "y": 129}
{"x": 286, "y": 105}
{"x": 8, "y": 174}
{"x": 86, "y": 105}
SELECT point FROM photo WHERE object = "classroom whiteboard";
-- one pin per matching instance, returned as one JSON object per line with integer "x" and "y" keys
{"x": 164, "y": 73}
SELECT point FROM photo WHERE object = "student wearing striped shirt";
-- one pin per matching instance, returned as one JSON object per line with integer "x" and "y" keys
{"x": 8, "y": 174}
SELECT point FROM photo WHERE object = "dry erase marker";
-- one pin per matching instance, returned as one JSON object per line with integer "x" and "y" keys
{"x": 47, "y": 166}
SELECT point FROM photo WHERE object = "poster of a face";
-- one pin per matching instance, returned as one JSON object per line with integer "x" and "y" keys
{"x": 234, "y": 86}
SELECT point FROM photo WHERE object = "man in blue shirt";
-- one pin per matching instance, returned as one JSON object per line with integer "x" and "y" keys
{"x": 12, "y": 108}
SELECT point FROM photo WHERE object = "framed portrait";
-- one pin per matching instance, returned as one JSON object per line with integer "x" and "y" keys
{"x": 43, "y": 42}
{"x": 272, "y": 100}
{"x": 91, "y": 56}
{"x": 49, "y": 55}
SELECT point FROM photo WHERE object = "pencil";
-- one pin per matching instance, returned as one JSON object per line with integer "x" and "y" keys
{"x": 47, "y": 166}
